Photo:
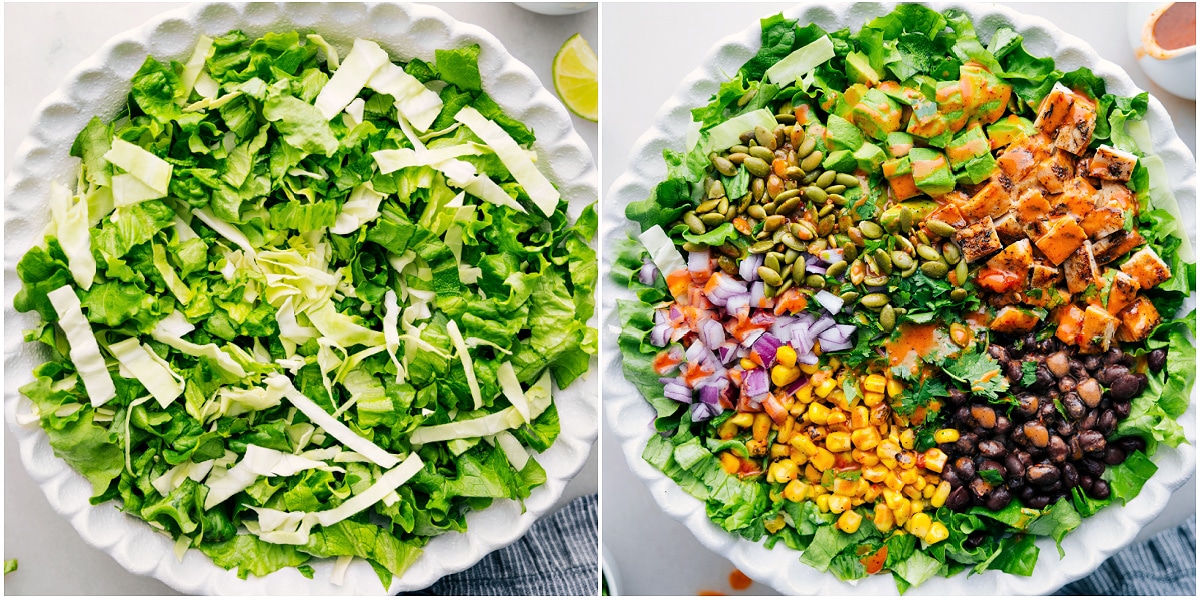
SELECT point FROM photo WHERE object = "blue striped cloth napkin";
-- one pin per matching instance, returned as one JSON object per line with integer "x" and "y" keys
{"x": 1164, "y": 565}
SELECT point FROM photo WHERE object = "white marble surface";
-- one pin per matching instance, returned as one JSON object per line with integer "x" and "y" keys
{"x": 42, "y": 43}
{"x": 656, "y": 554}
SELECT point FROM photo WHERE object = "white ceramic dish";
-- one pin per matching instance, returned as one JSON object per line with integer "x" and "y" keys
{"x": 98, "y": 86}
{"x": 1174, "y": 70}
{"x": 631, "y": 418}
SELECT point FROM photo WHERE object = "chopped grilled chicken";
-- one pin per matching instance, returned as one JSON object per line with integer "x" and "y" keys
{"x": 1016, "y": 258}
{"x": 1008, "y": 227}
{"x": 1124, "y": 290}
{"x": 1114, "y": 246}
{"x": 949, "y": 212}
{"x": 1147, "y": 268}
{"x": 1054, "y": 172}
{"x": 1054, "y": 109}
{"x": 1078, "y": 198}
{"x": 1118, "y": 193}
{"x": 1061, "y": 240}
{"x": 1097, "y": 330}
{"x": 1081, "y": 270}
{"x": 1138, "y": 320}
{"x": 1023, "y": 155}
{"x": 1106, "y": 219}
{"x": 1011, "y": 319}
{"x": 979, "y": 240}
{"x": 1076, "y": 133}
{"x": 1112, "y": 164}
{"x": 990, "y": 201}
{"x": 1070, "y": 323}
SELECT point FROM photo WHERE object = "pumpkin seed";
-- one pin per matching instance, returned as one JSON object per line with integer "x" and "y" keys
{"x": 906, "y": 218}
{"x": 789, "y": 206}
{"x": 771, "y": 261}
{"x": 825, "y": 225}
{"x": 883, "y": 262}
{"x": 791, "y": 255}
{"x": 777, "y": 236}
{"x": 836, "y": 269}
{"x": 794, "y": 173}
{"x": 901, "y": 261}
{"x": 815, "y": 194}
{"x": 747, "y": 97}
{"x": 924, "y": 238}
{"x": 950, "y": 253}
{"x": 887, "y": 318}
{"x": 774, "y": 222}
{"x": 875, "y": 280}
{"x": 786, "y": 195}
{"x": 815, "y": 281}
{"x": 765, "y": 137}
{"x": 960, "y": 272}
{"x": 790, "y": 241}
{"x": 786, "y": 119}
{"x": 715, "y": 191}
{"x": 837, "y": 199}
{"x": 746, "y": 137}
{"x": 858, "y": 272}
{"x": 928, "y": 252}
{"x": 761, "y": 247}
{"x": 847, "y": 180}
{"x": 728, "y": 249}
{"x": 803, "y": 231}
{"x": 903, "y": 244}
{"x": 935, "y": 269}
{"x": 738, "y": 148}
{"x": 787, "y": 285}
{"x": 724, "y": 166}
{"x": 757, "y": 211}
{"x": 758, "y": 187}
{"x": 727, "y": 265}
{"x": 849, "y": 251}
{"x": 737, "y": 157}
{"x": 958, "y": 294}
{"x": 762, "y": 153}
{"x": 806, "y": 148}
{"x": 835, "y": 189}
{"x": 849, "y": 297}
{"x": 870, "y": 230}
{"x": 856, "y": 236}
{"x": 940, "y": 228}
{"x": 707, "y": 206}
{"x": 826, "y": 179}
{"x": 769, "y": 291}
{"x": 910, "y": 271}
{"x": 756, "y": 166}
{"x": 797, "y": 136}
{"x": 745, "y": 202}
{"x": 875, "y": 300}
{"x": 690, "y": 247}
{"x": 723, "y": 205}
{"x": 769, "y": 276}
{"x": 798, "y": 268}
{"x": 770, "y": 208}
{"x": 812, "y": 161}
{"x": 694, "y": 223}
{"x": 712, "y": 219}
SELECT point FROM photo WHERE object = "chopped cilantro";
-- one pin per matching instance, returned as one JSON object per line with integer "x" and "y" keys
{"x": 992, "y": 476}
{"x": 980, "y": 371}
{"x": 1028, "y": 373}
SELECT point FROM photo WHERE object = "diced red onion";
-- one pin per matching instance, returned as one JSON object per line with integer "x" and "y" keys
{"x": 726, "y": 287}
{"x": 833, "y": 334}
{"x": 699, "y": 353}
{"x": 758, "y": 295}
{"x": 648, "y": 273}
{"x": 749, "y": 267}
{"x": 712, "y": 333}
{"x": 728, "y": 352}
{"x": 808, "y": 358}
{"x": 698, "y": 262}
{"x": 755, "y": 382}
{"x": 763, "y": 317}
{"x": 835, "y": 346}
{"x": 821, "y": 325}
{"x": 766, "y": 347}
{"x": 813, "y": 267}
{"x": 678, "y": 332}
{"x": 658, "y": 335}
{"x": 678, "y": 393}
{"x": 711, "y": 394}
{"x": 752, "y": 337}
{"x": 831, "y": 255}
{"x": 702, "y": 412}
{"x": 831, "y": 303}
{"x": 737, "y": 302}
{"x": 782, "y": 327}
{"x": 802, "y": 340}
{"x": 795, "y": 386}
{"x": 676, "y": 313}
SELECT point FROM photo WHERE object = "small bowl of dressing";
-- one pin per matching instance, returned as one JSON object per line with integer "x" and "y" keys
{"x": 1163, "y": 37}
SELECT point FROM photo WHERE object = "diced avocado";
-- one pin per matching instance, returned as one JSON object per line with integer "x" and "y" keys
{"x": 918, "y": 208}
{"x": 859, "y": 70}
{"x": 841, "y": 161}
{"x": 985, "y": 96}
{"x": 969, "y": 144}
{"x": 951, "y": 104}
{"x": 896, "y": 167}
{"x": 854, "y": 94}
{"x": 931, "y": 172}
{"x": 842, "y": 134}
{"x": 978, "y": 169}
{"x": 1007, "y": 130}
{"x": 877, "y": 114}
{"x": 870, "y": 157}
{"x": 928, "y": 123}
{"x": 899, "y": 143}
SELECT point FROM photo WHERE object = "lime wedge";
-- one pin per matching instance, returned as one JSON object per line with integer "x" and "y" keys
{"x": 575, "y": 81}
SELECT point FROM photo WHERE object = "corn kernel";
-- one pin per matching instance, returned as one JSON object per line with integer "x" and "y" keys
{"x": 742, "y": 419}
{"x": 901, "y": 512}
{"x": 873, "y": 492}
{"x": 937, "y": 533}
{"x": 939, "y": 496}
{"x": 907, "y": 459}
{"x": 776, "y": 523}
{"x": 911, "y": 492}
{"x": 894, "y": 388}
{"x": 872, "y": 399}
{"x": 786, "y": 356}
{"x": 826, "y": 387}
{"x": 866, "y": 438}
{"x": 756, "y": 448}
{"x": 796, "y": 491}
{"x": 798, "y": 456}
{"x": 919, "y": 524}
{"x": 908, "y": 439}
{"x": 874, "y": 383}
{"x": 893, "y": 481}
{"x": 727, "y": 430}
{"x": 839, "y": 504}
{"x": 836, "y": 417}
{"x": 822, "y": 459}
{"x": 892, "y": 498}
{"x": 730, "y": 463}
{"x": 935, "y": 460}
{"x": 761, "y": 427}
{"x": 838, "y": 442}
{"x": 908, "y": 476}
{"x": 884, "y": 521}
{"x": 823, "y": 502}
{"x": 920, "y": 484}
{"x": 887, "y": 449}
{"x": 918, "y": 505}
{"x": 748, "y": 364}
{"x": 780, "y": 450}
{"x": 838, "y": 399}
{"x": 817, "y": 348}
{"x": 809, "y": 369}
{"x": 804, "y": 444}
{"x": 818, "y": 413}
{"x": 888, "y": 462}
{"x": 928, "y": 491}
{"x": 811, "y": 473}
{"x": 785, "y": 470}
{"x": 945, "y": 436}
{"x": 860, "y": 416}
{"x": 849, "y": 521}
{"x": 782, "y": 375}
{"x": 845, "y": 487}
{"x": 875, "y": 474}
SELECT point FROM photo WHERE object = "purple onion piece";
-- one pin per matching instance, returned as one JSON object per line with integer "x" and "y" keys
{"x": 832, "y": 303}
{"x": 766, "y": 346}
{"x": 698, "y": 261}
{"x": 648, "y": 273}
{"x": 755, "y": 382}
{"x": 749, "y": 267}
{"x": 821, "y": 325}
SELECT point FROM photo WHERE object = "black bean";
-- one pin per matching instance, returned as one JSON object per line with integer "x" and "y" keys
{"x": 1024, "y": 493}
{"x": 1128, "y": 360}
{"x": 1037, "y": 434}
{"x": 1012, "y": 370}
{"x": 1014, "y": 483}
{"x": 1030, "y": 340}
{"x": 1086, "y": 481}
{"x": 1058, "y": 363}
{"x": 1070, "y": 475}
{"x": 957, "y": 396}
{"x": 1012, "y": 464}
{"x": 1107, "y": 422}
{"x": 1027, "y": 405}
{"x": 1111, "y": 373}
{"x": 1066, "y": 384}
{"x": 1124, "y": 387}
{"x": 991, "y": 465}
{"x": 1089, "y": 391}
{"x": 984, "y": 416}
{"x": 1143, "y": 381}
{"x": 963, "y": 414}
{"x": 1113, "y": 356}
{"x": 1122, "y": 408}
{"x": 1018, "y": 437}
{"x": 1074, "y": 406}
{"x": 1048, "y": 346}
{"x": 1100, "y": 489}
{"x": 1024, "y": 458}
{"x": 1048, "y": 411}
{"x": 998, "y": 352}
{"x": 1038, "y": 502}
{"x": 980, "y": 488}
{"x": 991, "y": 448}
{"x": 1091, "y": 441}
{"x": 1055, "y": 488}
{"x": 999, "y": 499}
{"x": 1092, "y": 467}
{"x": 965, "y": 467}
{"x": 1058, "y": 450}
{"x": 1092, "y": 362}
{"x": 1078, "y": 372}
{"x": 974, "y": 540}
{"x": 1073, "y": 445}
{"x": 958, "y": 499}
{"x": 1003, "y": 425}
{"x": 1114, "y": 456}
{"x": 950, "y": 476}
{"x": 1042, "y": 475}
{"x": 1089, "y": 420}
{"x": 966, "y": 443}
{"x": 1130, "y": 444}
{"x": 1157, "y": 360}
{"x": 1044, "y": 378}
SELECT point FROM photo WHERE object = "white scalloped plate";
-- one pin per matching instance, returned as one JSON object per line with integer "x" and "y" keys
{"x": 631, "y": 418}
{"x": 99, "y": 86}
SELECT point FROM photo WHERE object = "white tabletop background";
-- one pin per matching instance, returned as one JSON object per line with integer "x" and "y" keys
{"x": 649, "y": 49}
{"x": 44, "y": 42}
